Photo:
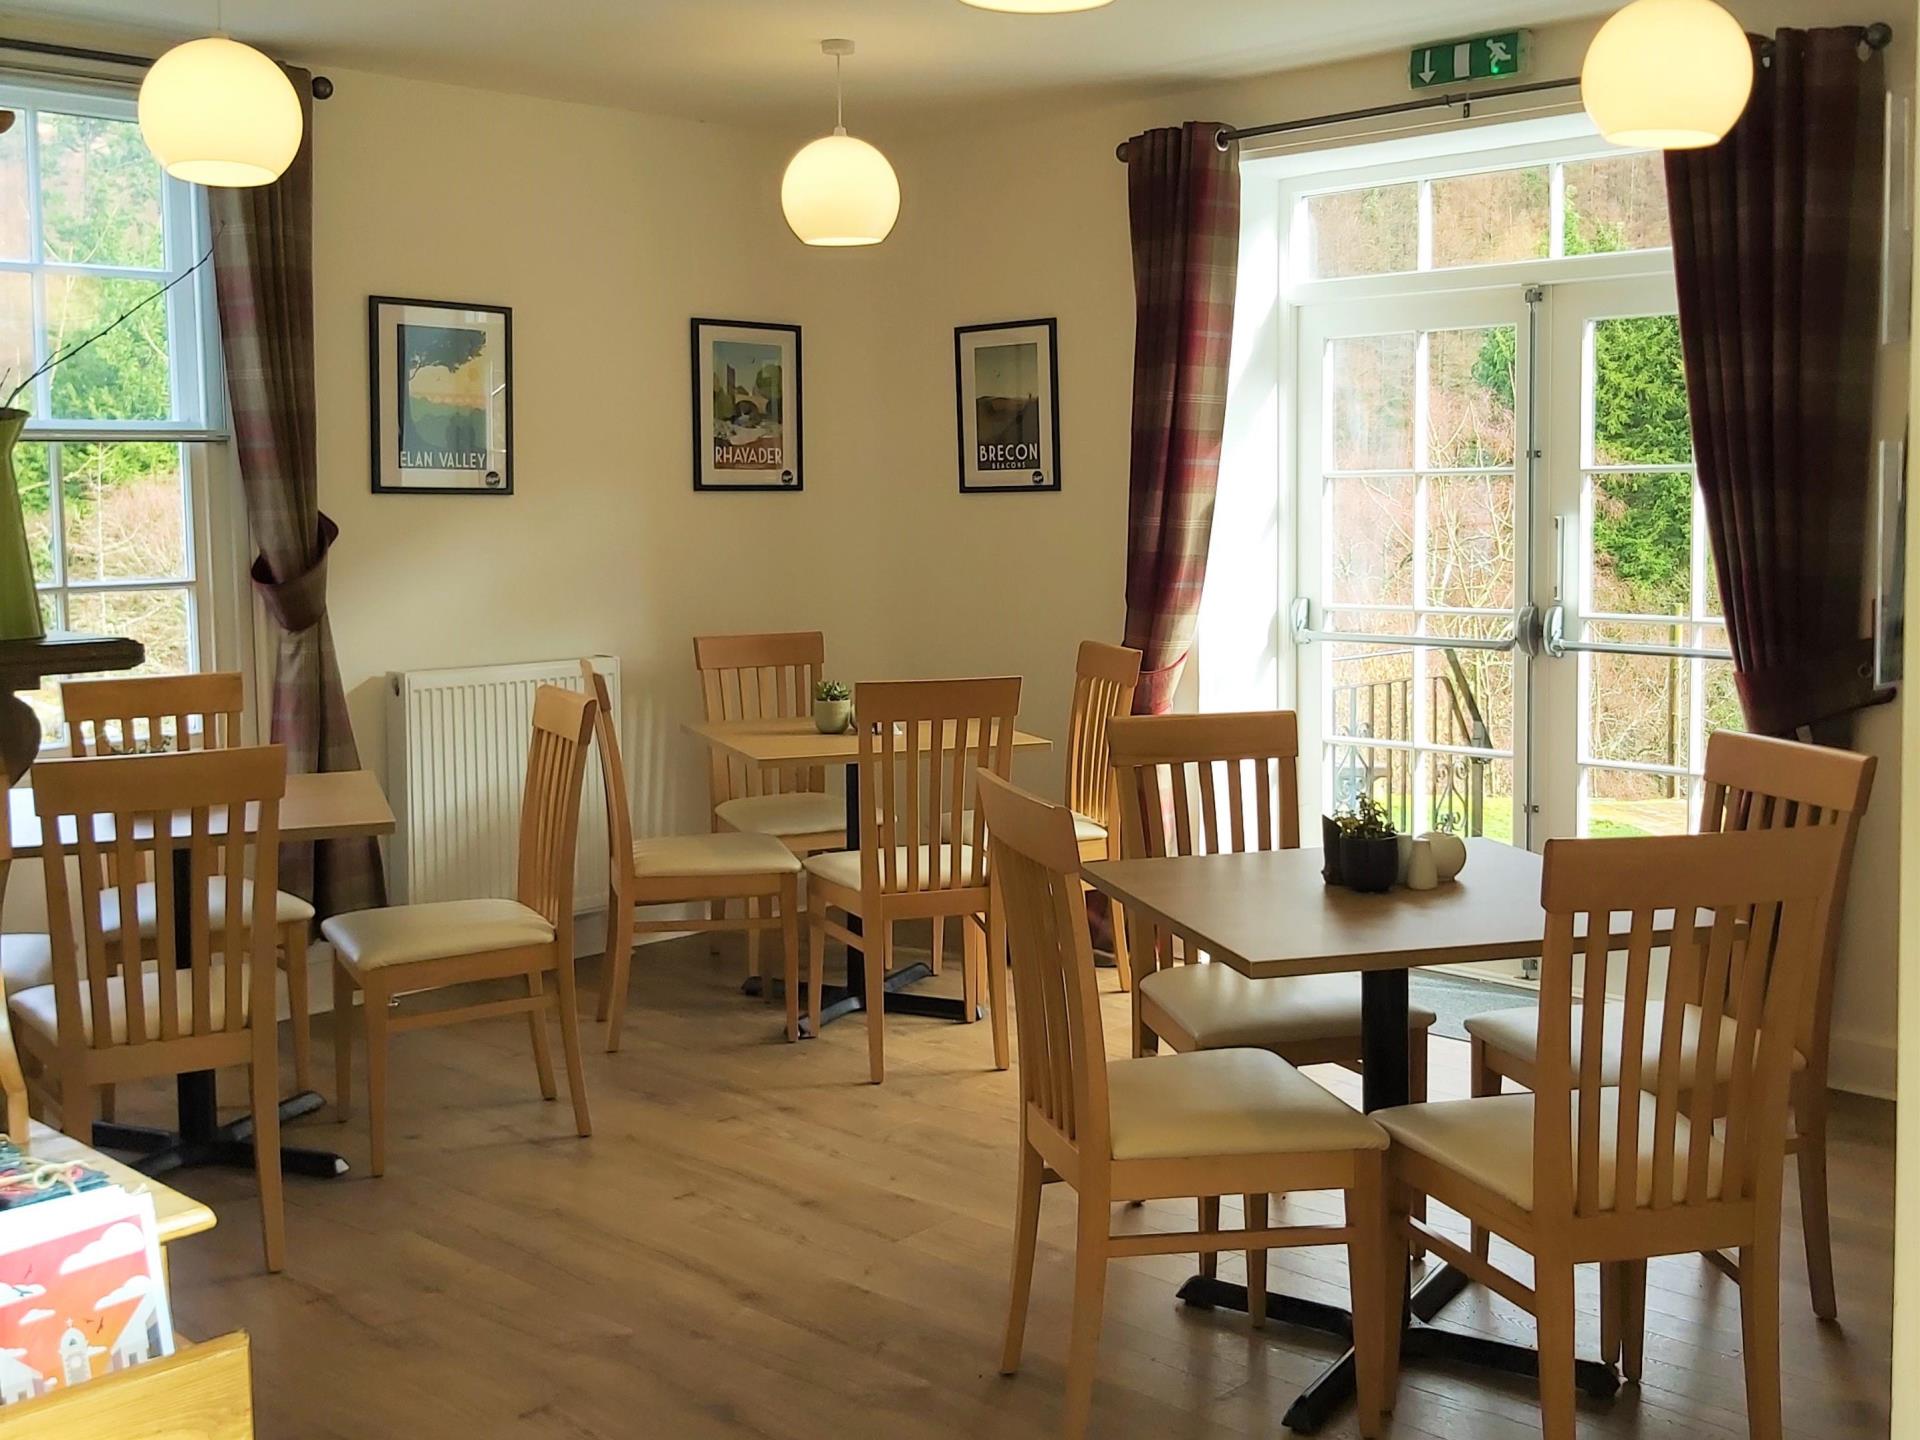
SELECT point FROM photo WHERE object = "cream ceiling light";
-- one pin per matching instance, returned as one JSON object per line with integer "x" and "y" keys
{"x": 216, "y": 112}
{"x": 839, "y": 190}
{"x": 1668, "y": 75}
{"x": 1037, "y": 7}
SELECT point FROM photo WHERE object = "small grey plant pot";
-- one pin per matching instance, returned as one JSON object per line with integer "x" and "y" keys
{"x": 831, "y": 717}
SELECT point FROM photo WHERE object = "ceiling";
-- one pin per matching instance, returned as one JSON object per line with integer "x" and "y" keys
{"x": 758, "y": 60}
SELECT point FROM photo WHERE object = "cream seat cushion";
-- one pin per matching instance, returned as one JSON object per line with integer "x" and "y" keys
{"x": 1219, "y": 1007}
{"x": 800, "y": 812}
{"x": 1084, "y": 829}
{"x": 405, "y": 934}
{"x": 287, "y": 909}
{"x": 25, "y": 962}
{"x": 1517, "y": 1032}
{"x": 1227, "y": 1102}
{"x": 1490, "y": 1141}
{"x": 842, "y": 867}
{"x": 725, "y": 852}
{"x": 35, "y": 1013}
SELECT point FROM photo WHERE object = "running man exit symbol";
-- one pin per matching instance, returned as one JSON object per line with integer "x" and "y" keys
{"x": 1482, "y": 57}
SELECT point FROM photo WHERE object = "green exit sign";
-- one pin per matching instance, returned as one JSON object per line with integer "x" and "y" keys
{"x": 1484, "y": 57}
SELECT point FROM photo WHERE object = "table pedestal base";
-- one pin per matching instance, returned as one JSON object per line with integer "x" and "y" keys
{"x": 839, "y": 1001}
{"x": 1334, "y": 1389}
{"x": 231, "y": 1144}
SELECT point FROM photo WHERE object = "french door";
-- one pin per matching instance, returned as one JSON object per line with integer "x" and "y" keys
{"x": 1507, "y": 623}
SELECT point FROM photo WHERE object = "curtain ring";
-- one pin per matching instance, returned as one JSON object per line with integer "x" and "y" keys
{"x": 1224, "y": 139}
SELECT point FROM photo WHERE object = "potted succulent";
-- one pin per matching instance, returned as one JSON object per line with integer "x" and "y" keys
{"x": 832, "y": 707}
{"x": 1369, "y": 848}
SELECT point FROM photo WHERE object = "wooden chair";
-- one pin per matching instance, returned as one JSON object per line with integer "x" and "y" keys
{"x": 211, "y": 1007}
{"x": 922, "y": 744}
{"x": 1752, "y": 783}
{"x": 1223, "y": 1122}
{"x": 408, "y": 949}
{"x": 762, "y": 677}
{"x": 157, "y": 714}
{"x": 1583, "y": 1171}
{"x": 202, "y": 1392}
{"x": 1104, "y": 679}
{"x": 1228, "y": 784}
{"x": 675, "y": 869}
{"x": 13, "y": 1079}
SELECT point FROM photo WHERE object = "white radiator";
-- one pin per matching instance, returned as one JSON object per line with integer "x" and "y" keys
{"x": 456, "y": 764}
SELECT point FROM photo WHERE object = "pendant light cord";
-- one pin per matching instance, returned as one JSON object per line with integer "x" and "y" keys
{"x": 839, "y": 99}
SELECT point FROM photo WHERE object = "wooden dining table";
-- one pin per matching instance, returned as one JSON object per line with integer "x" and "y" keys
{"x": 1271, "y": 915}
{"x": 795, "y": 743}
{"x": 341, "y": 805}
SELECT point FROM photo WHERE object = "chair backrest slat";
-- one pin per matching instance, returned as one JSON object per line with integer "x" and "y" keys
{"x": 1104, "y": 680}
{"x": 758, "y": 677}
{"x": 1763, "y": 889}
{"x": 220, "y": 807}
{"x": 922, "y": 746}
{"x": 1169, "y": 775}
{"x": 1036, "y": 885}
{"x": 563, "y": 723}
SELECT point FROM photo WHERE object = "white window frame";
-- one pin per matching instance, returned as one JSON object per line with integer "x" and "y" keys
{"x": 220, "y": 615}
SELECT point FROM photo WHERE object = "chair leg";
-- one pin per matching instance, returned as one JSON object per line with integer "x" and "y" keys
{"x": 1145, "y": 1042}
{"x": 263, "y": 1077}
{"x": 874, "y": 958}
{"x": 1122, "y": 961}
{"x": 1209, "y": 1225}
{"x": 567, "y": 1001}
{"x": 343, "y": 988}
{"x": 816, "y": 967}
{"x": 1633, "y": 1318}
{"x": 937, "y": 956}
{"x": 1483, "y": 1080}
{"x": 1026, "y": 1234}
{"x": 1089, "y": 1298}
{"x": 790, "y": 953}
{"x": 293, "y": 950}
{"x": 1417, "y": 1095}
{"x": 1810, "y": 1120}
{"x": 77, "y": 1106}
{"x": 997, "y": 983}
{"x": 537, "y": 1032}
{"x": 1760, "y": 1330}
{"x": 1368, "y": 1263}
{"x": 373, "y": 1020}
{"x": 1612, "y": 1297}
{"x": 973, "y": 968}
{"x": 615, "y": 970}
{"x": 1553, "y": 1298}
{"x": 1395, "y": 1275}
{"x": 751, "y": 908}
{"x": 1254, "y": 1207}
{"x": 107, "y": 1102}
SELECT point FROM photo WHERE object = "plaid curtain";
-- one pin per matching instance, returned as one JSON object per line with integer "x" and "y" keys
{"x": 1183, "y": 193}
{"x": 263, "y": 274}
{"x": 1776, "y": 241}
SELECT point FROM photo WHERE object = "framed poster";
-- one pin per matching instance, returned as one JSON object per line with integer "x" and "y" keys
{"x": 1007, "y": 386}
{"x": 746, "y": 406}
{"x": 442, "y": 397}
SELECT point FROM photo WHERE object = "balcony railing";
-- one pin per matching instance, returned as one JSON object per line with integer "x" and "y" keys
{"x": 1384, "y": 710}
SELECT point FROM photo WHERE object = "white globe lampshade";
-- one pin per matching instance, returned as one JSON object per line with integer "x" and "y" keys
{"x": 840, "y": 191}
{"x": 216, "y": 112}
{"x": 1668, "y": 75}
{"x": 1036, "y": 7}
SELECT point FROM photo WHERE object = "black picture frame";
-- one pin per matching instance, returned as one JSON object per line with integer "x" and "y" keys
{"x": 378, "y": 381}
{"x": 1049, "y": 466}
{"x": 698, "y": 337}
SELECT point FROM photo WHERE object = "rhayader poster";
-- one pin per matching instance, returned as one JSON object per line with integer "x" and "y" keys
{"x": 746, "y": 397}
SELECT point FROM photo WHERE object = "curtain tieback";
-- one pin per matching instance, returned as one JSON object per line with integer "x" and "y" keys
{"x": 301, "y": 602}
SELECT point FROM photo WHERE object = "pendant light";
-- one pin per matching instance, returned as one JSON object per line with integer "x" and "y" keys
{"x": 840, "y": 191}
{"x": 1036, "y": 7}
{"x": 1668, "y": 75}
{"x": 216, "y": 112}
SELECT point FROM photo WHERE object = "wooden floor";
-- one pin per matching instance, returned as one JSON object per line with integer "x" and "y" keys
{"x": 754, "y": 1242}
